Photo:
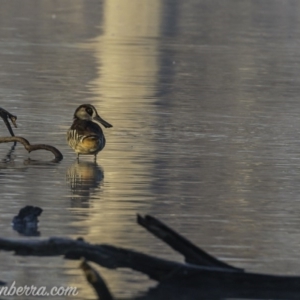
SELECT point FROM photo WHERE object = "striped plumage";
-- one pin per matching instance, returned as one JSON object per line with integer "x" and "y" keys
{"x": 85, "y": 136}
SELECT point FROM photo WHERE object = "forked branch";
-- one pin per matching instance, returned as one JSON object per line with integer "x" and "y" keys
{"x": 6, "y": 116}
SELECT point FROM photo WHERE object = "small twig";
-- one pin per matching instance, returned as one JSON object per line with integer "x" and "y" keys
{"x": 5, "y": 115}
{"x": 30, "y": 148}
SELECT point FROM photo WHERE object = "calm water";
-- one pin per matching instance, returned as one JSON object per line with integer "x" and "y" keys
{"x": 204, "y": 100}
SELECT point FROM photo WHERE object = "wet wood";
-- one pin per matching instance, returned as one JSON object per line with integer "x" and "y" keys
{"x": 192, "y": 253}
{"x": 96, "y": 281}
{"x": 57, "y": 154}
{"x": 206, "y": 277}
{"x": 5, "y": 115}
{"x": 161, "y": 270}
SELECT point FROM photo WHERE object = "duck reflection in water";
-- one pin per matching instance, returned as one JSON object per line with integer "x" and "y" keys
{"x": 83, "y": 177}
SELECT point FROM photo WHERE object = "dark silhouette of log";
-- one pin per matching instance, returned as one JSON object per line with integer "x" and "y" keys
{"x": 30, "y": 148}
{"x": 164, "y": 271}
{"x": 105, "y": 255}
{"x": 197, "y": 281}
{"x": 192, "y": 253}
{"x": 96, "y": 281}
{"x": 213, "y": 292}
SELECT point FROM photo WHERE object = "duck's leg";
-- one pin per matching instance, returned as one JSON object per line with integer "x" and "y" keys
{"x": 77, "y": 157}
{"x": 95, "y": 157}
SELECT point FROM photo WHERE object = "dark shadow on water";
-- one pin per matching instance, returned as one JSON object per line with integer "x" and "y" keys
{"x": 83, "y": 177}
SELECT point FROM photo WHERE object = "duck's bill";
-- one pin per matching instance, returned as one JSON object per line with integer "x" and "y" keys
{"x": 103, "y": 122}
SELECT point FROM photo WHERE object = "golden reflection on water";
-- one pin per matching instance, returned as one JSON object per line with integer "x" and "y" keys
{"x": 83, "y": 177}
{"x": 128, "y": 66}
{"x": 127, "y": 58}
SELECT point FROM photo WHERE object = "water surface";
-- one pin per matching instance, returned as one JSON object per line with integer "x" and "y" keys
{"x": 203, "y": 97}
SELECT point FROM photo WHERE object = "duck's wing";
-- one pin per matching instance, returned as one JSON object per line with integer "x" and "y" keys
{"x": 82, "y": 129}
{"x": 86, "y": 128}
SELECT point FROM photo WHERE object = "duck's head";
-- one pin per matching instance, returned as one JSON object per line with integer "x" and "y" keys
{"x": 89, "y": 113}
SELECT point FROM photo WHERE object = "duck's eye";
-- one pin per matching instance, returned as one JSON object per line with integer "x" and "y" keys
{"x": 89, "y": 111}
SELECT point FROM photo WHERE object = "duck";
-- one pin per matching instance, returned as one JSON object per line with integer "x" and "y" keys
{"x": 85, "y": 135}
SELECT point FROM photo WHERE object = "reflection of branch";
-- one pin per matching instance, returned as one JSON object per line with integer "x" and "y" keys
{"x": 5, "y": 115}
{"x": 30, "y": 148}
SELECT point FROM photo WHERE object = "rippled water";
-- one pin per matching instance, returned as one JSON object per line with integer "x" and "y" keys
{"x": 204, "y": 100}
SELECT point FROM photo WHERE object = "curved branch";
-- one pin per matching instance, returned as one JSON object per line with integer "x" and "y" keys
{"x": 30, "y": 148}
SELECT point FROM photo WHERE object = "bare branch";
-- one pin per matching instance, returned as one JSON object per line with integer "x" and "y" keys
{"x": 30, "y": 148}
{"x": 5, "y": 115}
{"x": 96, "y": 281}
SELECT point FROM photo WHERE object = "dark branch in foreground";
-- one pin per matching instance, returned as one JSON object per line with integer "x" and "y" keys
{"x": 96, "y": 281}
{"x": 30, "y": 148}
{"x": 192, "y": 253}
{"x": 205, "y": 279}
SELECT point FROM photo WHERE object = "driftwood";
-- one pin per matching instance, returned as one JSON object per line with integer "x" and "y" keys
{"x": 207, "y": 277}
{"x": 192, "y": 254}
{"x": 30, "y": 148}
{"x": 5, "y": 115}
